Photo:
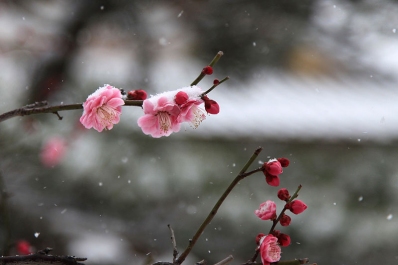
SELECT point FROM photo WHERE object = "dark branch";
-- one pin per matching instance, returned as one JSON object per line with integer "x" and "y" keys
{"x": 38, "y": 108}
{"x": 41, "y": 258}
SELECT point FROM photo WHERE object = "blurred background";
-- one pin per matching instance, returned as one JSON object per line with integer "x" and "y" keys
{"x": 312, "y": 80}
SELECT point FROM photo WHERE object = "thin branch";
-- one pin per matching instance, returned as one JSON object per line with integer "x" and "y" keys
{"x": 4, "y": 213}
{"x": 225, "y": 261}
{"x": 41, "y": 258}
{"x": 275, "y": 222}
{"x": 36, "y": 108}
{"x": 213, "y": 212}
{"x": 212, "y": 63}
{"x": 173, "y": 242}
{"x": 215, "y": 85}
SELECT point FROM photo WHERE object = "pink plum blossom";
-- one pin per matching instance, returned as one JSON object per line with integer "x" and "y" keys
{"x": 53, "y": 151}
{"x": 189, "y": 100}
{"x": 270, "y": 251}
{"x": 266, "y": 211}
{"x": 102, "y": 109}
{"x": 161, "y": 115}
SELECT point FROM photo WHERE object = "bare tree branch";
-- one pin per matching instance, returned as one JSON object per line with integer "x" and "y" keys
{"x": 41, "y": 258}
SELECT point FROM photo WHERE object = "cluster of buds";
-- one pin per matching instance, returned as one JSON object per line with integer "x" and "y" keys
{"x": 269, "y": 245}
{"x": 273, "y": 168}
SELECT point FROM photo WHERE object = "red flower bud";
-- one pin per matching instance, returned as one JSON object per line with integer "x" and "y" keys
{"x": 285, "y": 220}
{"x": 273, "y": 167}
{"x": 276, "y": 233}
{"x": 181, "y": 98}
{"x": 216, "y": 82}
{"x": 284, "y": 161}
{"x": 258, "y": 237}
{"x": 23, "y": 247}
{"x": 211, "y": 106}
{"x": 208, "y": 70}
{"x": 296, "y": 206}
{"x": 138, "y": 94}
{"x": 283, "y": 194}
{"x": 284, "y": 240}
{"x": 271, "y": 180}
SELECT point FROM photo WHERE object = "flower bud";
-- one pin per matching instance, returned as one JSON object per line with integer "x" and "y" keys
{"x": 24, "y": 247}
{"x": 211, "y": 106}
{"x": 138, "y": 94}
{"x": 283, "y": 194}
{"x": 216, "y": 81}
{"x": 273, "y": 167}
{"x": 181, "y": 98}
{"x": 208, "y": 70}
{"x": 285, "y": 220}
{"x": 276, "y": 233}
{"x": 296, "y": 206}
{"x": 284, "y": 161}
{"x": 258, "y": 237}
{"x": 284, "y": 240}
{"x": 271, "y": 180}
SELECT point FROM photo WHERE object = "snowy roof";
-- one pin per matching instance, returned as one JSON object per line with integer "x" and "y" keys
{"x": 286, "y": 106}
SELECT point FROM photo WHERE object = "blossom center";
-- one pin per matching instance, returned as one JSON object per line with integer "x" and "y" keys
{"x": 164, "y": 121}
{"x": 106, "y": 114}
{"x": 198, "y": 117}
{"x": 274, "y": 251}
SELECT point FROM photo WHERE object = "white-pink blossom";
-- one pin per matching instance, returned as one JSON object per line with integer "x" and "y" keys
{"x": 102, "y": 109}
{"x": 163, "y": 113}
{"x": 270, "y": 251}
{"x": 190, "y": 110}
{"x": 266, "y": 211}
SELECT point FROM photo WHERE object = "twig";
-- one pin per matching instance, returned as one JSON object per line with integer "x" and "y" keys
{"x": 225, "y": 261}
{"x": 36, "y": 104}
{"x": 213, "y": 212}
{"x": 173, "y": 242}
{"x": 38, "y": 108}
{"x": 212, "y": 63}
{"x": 5, "y": 215}
{"x": 275, "y": 222}
{"x": 41, "y": 258}
{"x": 215, "y": 85}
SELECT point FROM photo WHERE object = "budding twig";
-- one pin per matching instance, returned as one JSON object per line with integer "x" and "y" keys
{"x": 212, "y": 63}
{"x": 215, "y": 85}
{"x": 213, "y": 212}
{"x": 275, "y": 222}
